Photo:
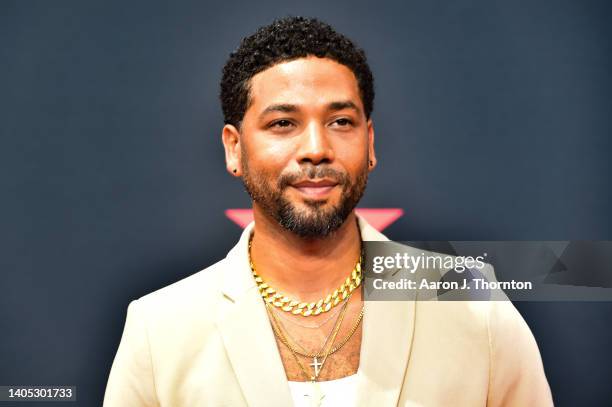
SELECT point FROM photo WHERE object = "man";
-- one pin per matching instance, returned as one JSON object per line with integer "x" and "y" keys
{"x": 281, "y": 320}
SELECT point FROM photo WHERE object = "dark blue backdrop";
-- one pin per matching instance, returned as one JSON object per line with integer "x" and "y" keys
{"x": 492, "y": 122}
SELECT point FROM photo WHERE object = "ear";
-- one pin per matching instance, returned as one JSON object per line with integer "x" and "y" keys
{"x": 371, "y": 152}
{"x": 231, "y": 143}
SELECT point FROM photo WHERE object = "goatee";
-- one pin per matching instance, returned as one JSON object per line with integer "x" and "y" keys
{"x": 316, "y": 221}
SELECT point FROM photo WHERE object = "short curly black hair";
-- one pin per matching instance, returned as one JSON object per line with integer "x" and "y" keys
{"x": 283, "y": 40}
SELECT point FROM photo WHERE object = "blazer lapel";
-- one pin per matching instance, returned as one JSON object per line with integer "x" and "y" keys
{"x": 386, "y": 342}
{"x": 247, "y": 335}
{"x": 385, "y": 350}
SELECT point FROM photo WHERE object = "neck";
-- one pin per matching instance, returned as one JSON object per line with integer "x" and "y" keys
{"x": 304, "y": 269}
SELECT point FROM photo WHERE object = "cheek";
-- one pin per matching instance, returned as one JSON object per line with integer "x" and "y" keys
{"x": 267, "y": 159}
{"x": 276, "y": 149}
{"x": 353, "y": 158}
{"x": 271, "y": 153}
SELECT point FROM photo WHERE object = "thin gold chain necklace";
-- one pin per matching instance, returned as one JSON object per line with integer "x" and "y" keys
{"x": 290, "y": 338}
{"x": 336, "y": 348}
{"x": 280, "y": 301}
{"x": 317, "y": 366}
{"x": 316, "y": 395}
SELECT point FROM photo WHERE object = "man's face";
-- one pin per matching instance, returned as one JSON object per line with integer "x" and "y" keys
{"x": 305, "y": 145}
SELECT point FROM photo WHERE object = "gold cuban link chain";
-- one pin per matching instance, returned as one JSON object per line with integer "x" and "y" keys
{"x": 306, "y": 309}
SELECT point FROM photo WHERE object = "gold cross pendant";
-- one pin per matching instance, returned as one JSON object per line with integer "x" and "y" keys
{"x": 316, "y": 365}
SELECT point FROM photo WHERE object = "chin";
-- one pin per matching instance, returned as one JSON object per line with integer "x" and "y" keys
{"x": 318, "y": 206}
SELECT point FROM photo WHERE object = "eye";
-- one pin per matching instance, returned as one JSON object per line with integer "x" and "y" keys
{"x": 283, "y": 123}
{"x": 342, "y": 122}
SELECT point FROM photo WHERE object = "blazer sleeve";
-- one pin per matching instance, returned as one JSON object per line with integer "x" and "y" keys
{"x": 516, "y": 375}
{"x": 131, "y": 381}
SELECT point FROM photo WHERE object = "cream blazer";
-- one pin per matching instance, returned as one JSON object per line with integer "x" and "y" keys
{"x": 207, "y": 341}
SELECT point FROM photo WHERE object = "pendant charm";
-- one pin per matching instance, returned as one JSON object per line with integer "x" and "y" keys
{"x": 316, "y": 365}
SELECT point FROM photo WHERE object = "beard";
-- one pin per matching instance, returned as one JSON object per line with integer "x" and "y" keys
{"x": 315, "y": 220}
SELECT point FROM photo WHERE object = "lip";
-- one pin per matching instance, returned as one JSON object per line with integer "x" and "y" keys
{"x": 315, "y": 184}
{"x": 315, "y": 189}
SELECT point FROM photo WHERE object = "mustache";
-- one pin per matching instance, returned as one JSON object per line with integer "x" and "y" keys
{"x": 286, "y": 180}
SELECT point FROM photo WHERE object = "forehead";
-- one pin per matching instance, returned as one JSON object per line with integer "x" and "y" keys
{"x": 307, "y": 81}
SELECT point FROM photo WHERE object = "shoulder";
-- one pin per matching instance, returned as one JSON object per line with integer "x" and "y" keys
{"x": 517, "y": 375}
{"x": 485, "y": 318}
{"x": 193, "y": 297}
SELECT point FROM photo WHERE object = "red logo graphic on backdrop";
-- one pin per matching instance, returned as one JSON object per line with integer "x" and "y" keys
{"x": 379, "y": 218}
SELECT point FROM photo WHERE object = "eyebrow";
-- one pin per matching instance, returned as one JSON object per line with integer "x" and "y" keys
{"x": 283, "y": 108}
{"x": 289, "y": 108}
{"x": 335, "y": 106}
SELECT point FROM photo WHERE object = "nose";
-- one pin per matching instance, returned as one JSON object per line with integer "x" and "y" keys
{"x": 315, "y": 146}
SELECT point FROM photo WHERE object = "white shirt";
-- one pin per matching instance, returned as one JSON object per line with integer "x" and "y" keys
{"x": 339, "y": 392}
